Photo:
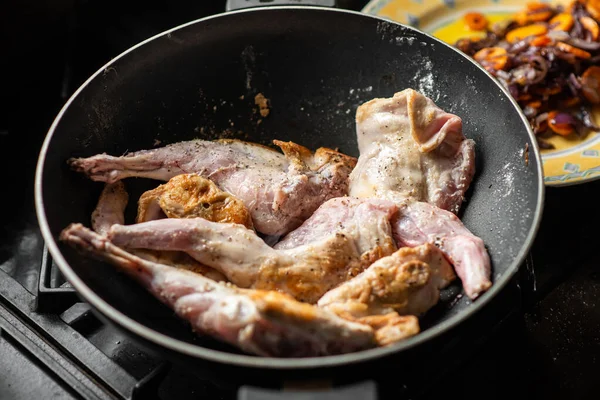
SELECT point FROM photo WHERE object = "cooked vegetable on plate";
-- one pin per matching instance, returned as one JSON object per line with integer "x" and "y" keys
{"x": 547, "y": 57}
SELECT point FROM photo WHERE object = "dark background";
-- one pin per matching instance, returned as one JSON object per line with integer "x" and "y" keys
{"x": 49, "y": 48}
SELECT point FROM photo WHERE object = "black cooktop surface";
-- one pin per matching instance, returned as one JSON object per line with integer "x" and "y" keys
{"x": 546, "y": 344}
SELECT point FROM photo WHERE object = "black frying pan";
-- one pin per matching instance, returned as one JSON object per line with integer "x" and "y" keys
{"x": 316, "y": 65}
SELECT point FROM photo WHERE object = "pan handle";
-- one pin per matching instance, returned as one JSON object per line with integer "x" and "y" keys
{"x": 239, "y": 4}
{"x": 366, "y": 390}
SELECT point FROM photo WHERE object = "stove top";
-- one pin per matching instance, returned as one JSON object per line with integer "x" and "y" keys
{"x": 542, "y": 336}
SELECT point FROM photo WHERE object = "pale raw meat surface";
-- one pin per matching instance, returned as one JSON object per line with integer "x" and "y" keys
{"x": 414, "y": 154}
{"x": 345, "y": 215}
{"x": 419, "y": 223}
{"x": 280, "y": 190}
{"x": 258, "y": 322}
{"x": 410, "y": 146}
{"x": 110, "y": 210}
{"x": 305, "y": 271}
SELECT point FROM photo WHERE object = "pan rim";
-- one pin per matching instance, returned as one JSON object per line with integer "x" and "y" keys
{"x": 117, "y": 317}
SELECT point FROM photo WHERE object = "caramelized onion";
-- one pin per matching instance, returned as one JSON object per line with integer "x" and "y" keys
{"x": 552, "y": 73}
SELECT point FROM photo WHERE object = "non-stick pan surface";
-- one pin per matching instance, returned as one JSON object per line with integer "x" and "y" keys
{"x": 315, "y": 66}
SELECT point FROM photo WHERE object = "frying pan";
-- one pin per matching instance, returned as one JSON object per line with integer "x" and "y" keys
{"x": 315, "y": 65}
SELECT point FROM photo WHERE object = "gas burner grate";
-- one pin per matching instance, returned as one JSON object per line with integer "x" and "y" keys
{"x": 71, "y": 345}
{"x": 54, "y": 293}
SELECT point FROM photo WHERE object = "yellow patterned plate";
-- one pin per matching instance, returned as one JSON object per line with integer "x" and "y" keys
{"x": 573, "y": 160}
